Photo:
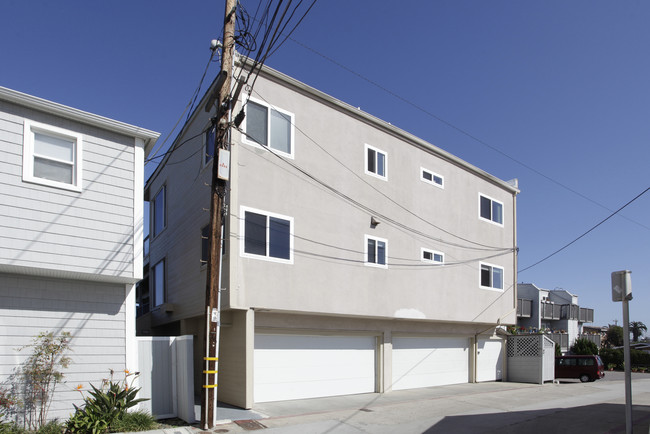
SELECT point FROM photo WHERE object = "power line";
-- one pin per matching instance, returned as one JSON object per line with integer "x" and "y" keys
{"x": 462, "y": 131}
{"x": 594, "y": 227}
{"x": 368, "y": 184}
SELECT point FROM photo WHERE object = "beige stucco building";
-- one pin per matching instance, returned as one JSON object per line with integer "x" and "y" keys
{"x": 358, "y": 257}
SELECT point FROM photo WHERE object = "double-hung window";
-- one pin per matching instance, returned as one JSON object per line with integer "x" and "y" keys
{"x": 375, "y": 252}
{"x": 376, "y": 162}
{"x": 491, "y": 276}
{"x": 52, "y": 156}
{"x": 158, "y": 212}
{"x": 269, "y": 126}
{"x": 490, "y": 209}
{"x": 432, "y": 256}
{"x": 267, "y": 235}
{"x": 158, "y": 283}
{"x": 431, "y": 177}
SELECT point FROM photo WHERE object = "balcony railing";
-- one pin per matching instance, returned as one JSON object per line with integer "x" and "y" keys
{"x": 524, "y": 308}
{"x": 550, "y": 310}
{"x": 562, "y": 339}
{"x": 593, "y": 338}
{"x": 586, "y": 315}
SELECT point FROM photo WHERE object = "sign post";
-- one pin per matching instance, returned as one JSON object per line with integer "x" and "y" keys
{"x": 622, "y": 291}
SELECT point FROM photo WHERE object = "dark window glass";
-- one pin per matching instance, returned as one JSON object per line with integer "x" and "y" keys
{"x": 371, "y": 251}
{"x": 485, "y": 275}
{"x": 257, "y": 123}
{"x": 279, "y": 238}
{"x": 371, "y": 161}
{"x": 159, "y": 218}
{"x": 381, "y": 252}
{"x": 426, "y": 175}
{"x": 486, "y": 208}
{"x": 255, "y": 233}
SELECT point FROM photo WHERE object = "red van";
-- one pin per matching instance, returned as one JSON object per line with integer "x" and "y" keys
{"x": 586, "y": 368}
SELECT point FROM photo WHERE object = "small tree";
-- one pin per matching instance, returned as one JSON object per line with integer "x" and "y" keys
{"x": 638, "y": 329}
{"x": 40, "y": 374}
{"x": 615, "y": 336}
{"x": 584, "y": 346}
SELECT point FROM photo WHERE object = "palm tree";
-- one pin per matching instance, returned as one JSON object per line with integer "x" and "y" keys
{"x": 637, "y": 328}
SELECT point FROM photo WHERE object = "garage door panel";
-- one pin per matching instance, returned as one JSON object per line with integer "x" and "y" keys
{"x": 296, "y": 366}
{"x": 426, "y": 362}
{"x": 489, "y": 360}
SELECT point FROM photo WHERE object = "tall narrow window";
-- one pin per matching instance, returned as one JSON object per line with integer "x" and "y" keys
{"x": 490, "y": 209}
{"x": 208, "y": 144}
{"x": 159, "y": 212}
{"x": 158, "y": 283}
{"x": 267, "y": 235}
{"x": 52, "y": 156}
{"x": 267, "y": 126}
{"x": 376, "y": 251}
{"x": 375, "y": 162}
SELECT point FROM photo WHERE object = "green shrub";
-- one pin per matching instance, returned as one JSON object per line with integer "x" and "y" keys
{"x": 612, "y": 356}
{"x": 133, "y": 422}
{"x": 52, "y": 427}
{"x": 104, "y": 406}
{"x": 585, "y": 347}
{"x": 11, "y": 428}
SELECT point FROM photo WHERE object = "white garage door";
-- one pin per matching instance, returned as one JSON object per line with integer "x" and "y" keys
{"x": 425, "y": 362}
{"x": 490, "y": 360}
{"x": 299, "y": 366}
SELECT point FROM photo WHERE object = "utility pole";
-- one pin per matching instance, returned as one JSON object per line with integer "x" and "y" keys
{"x": 218, "y": 191}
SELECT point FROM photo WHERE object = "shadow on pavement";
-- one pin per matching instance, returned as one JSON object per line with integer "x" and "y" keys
{"x": 593, "y": 419}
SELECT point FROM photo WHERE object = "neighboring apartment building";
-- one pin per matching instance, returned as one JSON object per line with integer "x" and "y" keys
{"x": 357, "y": 258}
{"x": 554, "y": 311}
{"x": 71, "y": 219}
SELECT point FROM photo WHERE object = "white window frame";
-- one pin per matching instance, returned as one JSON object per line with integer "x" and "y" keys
{"x": 492, "y": 267}
{"x": 365, "y": 251}
{"x": 365, "y": 161}
{"x": 433, "y": 253}
{"x": 31, "y": 127}
{"x": 153, "y": 290}
{"x": 152, "y": 212}
{"x": 269, "y": 107}
{"x": 242, "y": 231}
{"x": 434, "y": 175}
{"x": 205, "y": 146}
{"x": 492, "y": 201}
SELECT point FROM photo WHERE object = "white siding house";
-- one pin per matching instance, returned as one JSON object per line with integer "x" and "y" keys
{"x": 71, "y": 238}
{"x": 357, "y": 258}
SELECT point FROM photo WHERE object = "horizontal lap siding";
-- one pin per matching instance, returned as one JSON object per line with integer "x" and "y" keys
{"x": 94, "y": 314}
{"x": 47, "y": 227}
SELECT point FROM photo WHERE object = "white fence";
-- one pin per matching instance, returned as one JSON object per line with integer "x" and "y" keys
{"x": 531, "y": 359}
{"x": 166, "y": 376}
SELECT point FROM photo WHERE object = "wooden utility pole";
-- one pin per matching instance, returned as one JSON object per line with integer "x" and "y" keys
{"x": 218, "y": 193}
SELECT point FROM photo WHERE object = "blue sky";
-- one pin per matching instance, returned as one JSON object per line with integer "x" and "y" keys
{"x": 553, "y": 93}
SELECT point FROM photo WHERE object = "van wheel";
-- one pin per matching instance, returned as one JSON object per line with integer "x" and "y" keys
{"x": 584, "y": 378}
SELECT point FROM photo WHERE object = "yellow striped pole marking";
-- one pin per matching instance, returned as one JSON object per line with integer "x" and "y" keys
{"x": 210, "y": 386}
{"x": 210, "y": 372}
{"x": 212, "y": 359}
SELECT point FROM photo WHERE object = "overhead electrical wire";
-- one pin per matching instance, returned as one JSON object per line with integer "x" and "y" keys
{"x": 585, "y": 233}
{"x": 354, "y": 173}
{"x": 461, "y": 130}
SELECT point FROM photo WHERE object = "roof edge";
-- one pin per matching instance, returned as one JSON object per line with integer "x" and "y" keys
{"x": 34, "y": 102}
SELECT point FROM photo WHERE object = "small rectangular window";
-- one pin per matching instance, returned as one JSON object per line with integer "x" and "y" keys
{"x": 432, "y": 256}
{"x": 375, "y": 252}
{"x": 431, "y": 178}
{"x": 267, "y": 126}
{"x": 158, "y": 283}
{"x": 159, "y": 212}
{"x": 209, "y": 144}
{"x": 376, "y": 162}
{"x": 491, "y": 276}
{"x": 490, "y": 209}
{"x": 52, "y": 156}
{"x": 267, "y": 235}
